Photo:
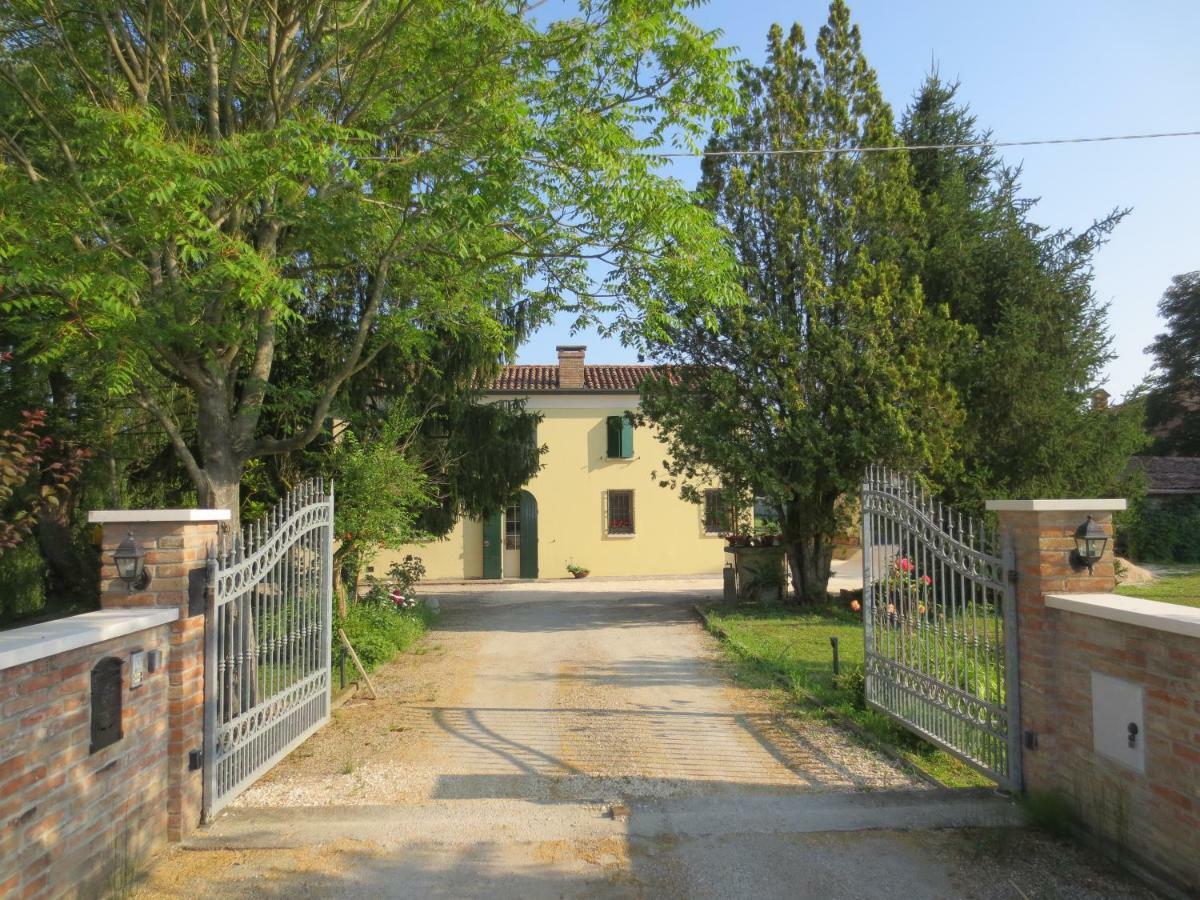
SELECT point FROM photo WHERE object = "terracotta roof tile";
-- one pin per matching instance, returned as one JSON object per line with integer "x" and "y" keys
{"x": 600, "y": 378}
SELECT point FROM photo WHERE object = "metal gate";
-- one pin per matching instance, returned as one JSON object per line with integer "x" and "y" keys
{"x": 939, "y": 618}
{"x": 267, "y": 642}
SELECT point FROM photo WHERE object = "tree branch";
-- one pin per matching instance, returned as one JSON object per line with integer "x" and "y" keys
{"x": 195, "y": 472}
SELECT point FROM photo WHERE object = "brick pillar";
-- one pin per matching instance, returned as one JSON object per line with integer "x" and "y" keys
{"x": 570, "y": 366}
{"x": 176, "y": 543}
{"x": 1042, "y": 533}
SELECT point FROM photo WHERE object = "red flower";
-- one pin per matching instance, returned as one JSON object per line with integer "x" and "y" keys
{"x": 904, "y": 564}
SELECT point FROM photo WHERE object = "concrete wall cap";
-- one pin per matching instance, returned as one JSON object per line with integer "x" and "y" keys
{"x": 1170, "y": 617}
{"x": 137, "y": 516}
{"x": 32, "y": 642}
{"x": 1110, "y": 504}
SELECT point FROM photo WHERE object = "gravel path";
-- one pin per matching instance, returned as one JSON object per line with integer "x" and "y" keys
{"x": 586, "y": 740}
{"x": 608, "y": 690}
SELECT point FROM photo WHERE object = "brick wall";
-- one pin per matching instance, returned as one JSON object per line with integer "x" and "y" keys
{"x": 1150, "y": 819}
{"x": 176, "y": 544}
{"x": 72, "y": 821}
{"x": 1156, "y": 815}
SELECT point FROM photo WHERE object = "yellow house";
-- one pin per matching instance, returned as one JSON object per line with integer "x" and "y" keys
{"x": 594, "y": 503}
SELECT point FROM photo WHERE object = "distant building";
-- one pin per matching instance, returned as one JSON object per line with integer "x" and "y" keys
{"x": 1169, "y": 476}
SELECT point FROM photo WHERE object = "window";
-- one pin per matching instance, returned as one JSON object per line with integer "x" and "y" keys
{"x": 620, "y": 512}
{"x": 716, "y": 513}
{"x": 620, "y": 437}
{"x": 512, "y": 527}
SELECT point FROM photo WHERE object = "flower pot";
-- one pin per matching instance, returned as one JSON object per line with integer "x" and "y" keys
{"x": 580, "y": 574}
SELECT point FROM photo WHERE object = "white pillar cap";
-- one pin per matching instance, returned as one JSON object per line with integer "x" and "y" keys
{"x": 1083, "y": 506}
{"x": 138, "y": 516}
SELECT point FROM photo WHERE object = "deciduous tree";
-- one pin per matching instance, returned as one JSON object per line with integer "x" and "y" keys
{"x": 187, "y": 183}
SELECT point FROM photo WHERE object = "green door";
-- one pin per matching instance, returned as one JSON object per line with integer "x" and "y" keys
{"x": 491, "y": 545}
{"x": 529, "y": 539}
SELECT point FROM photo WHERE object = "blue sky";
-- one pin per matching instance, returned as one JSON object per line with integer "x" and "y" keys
{"x": 1034, "y": 70}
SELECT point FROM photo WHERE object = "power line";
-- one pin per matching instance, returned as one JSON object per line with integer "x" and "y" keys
{"x": 908, "y": 148}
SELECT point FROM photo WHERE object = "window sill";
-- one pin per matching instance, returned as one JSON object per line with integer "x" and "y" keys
{"x": 619, "y": 537}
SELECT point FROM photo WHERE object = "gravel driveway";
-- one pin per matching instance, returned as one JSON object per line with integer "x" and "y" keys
{"x": 585, "y": 739}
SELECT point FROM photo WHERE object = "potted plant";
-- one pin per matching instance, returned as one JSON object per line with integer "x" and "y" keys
{"x": 577, "y": 571}
{"x": 758, "y": 567}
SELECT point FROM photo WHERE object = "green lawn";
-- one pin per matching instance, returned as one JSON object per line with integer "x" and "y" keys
{"x": 769, "y": 642}
{"x": 1182, "y": 587}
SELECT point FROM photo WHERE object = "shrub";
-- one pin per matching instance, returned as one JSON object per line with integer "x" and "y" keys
{"x": 378, "y": 631}
{"x": 1161, "y": 529}
{"x": 22, "y": 573}
{"x": 854, "y": 682}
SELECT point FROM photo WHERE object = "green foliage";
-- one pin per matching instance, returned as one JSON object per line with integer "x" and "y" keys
{"x": 193, "y": 196}
{"x": 381, "y": 494}
{"x": 574, "y": 569}
{"x": 1174, "y": 394}
{"x": 29, "y": 482}
{"x": 404, "y": 575}
{"x": 22, "y": 572}
{"x": 485, "y": 454}
{"x": 1161, "y": 529}
{"x": 1034, "y": 338}
{"x": 378, "y": 631}
{"x": 853, "y": 683}
{"x": 835, "y": 361}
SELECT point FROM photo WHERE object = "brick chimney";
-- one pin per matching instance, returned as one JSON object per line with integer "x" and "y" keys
{"x": 570, "y": 367}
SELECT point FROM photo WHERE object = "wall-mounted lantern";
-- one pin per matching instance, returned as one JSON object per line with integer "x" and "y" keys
{"x": 1090, "y": 541}
{"x": 130, "y": 561}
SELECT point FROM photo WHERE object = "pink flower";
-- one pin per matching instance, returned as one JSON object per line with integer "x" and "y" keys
{"x": 904, "y": 564}
{"x": 926, "y": 579}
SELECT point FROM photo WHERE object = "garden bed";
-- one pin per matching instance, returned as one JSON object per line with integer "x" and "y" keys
{"x": 792, "y": 648}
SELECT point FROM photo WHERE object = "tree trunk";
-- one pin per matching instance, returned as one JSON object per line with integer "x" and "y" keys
{"x": 808, "y": 559}
{"x": 220, "y": 486}
{"x": 71, "y": 572}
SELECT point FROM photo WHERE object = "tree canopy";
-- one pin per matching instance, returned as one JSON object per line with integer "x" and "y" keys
{"x": 1173, "y": 398}
{"x": 1033, "y": 339}
{"x": 194, "y": 193}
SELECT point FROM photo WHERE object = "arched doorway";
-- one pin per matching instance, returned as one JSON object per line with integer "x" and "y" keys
{"x": 510, "y": 540}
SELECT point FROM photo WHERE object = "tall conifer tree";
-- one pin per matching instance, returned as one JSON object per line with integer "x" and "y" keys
{"x": 1174, "y": 398}
{"x": 834, "y": 362}
{"x": 1034, "y": 338}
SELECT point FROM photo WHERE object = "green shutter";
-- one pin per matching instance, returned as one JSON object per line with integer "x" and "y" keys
{"x": 529, "y": 538}
{"x": 492, "y": 541}
{"x": 614, "y": 437}
{"x": 620, "y": 437}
